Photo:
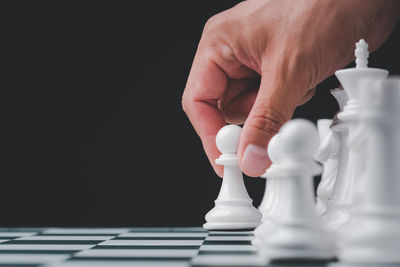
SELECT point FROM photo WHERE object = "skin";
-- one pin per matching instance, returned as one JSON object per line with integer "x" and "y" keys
{"x": 259, "y": 60}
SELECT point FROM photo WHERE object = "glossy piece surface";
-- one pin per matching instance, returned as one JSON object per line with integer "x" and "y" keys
{"x": 295, "y": 230}
{"x": 233, "y": 208}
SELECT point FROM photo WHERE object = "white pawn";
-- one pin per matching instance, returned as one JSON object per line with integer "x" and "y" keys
{"x": 267, "y": 198}
{"x": 233, "y": 208}
{"x": 270, "y": 193}
{"x": 327, "y": 154}
{"x": 298, "y": 232}
{"x": 273, "y": 193}
{"x": 372, "y": 235}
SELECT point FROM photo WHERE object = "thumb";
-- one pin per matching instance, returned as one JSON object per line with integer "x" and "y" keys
{"x": 274, "y": 105}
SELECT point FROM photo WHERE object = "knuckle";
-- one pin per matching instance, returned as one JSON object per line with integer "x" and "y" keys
{"x": 211, "y": 23}
{"x": 267, "y": 119}
{"x": 185, "y": 104}
{"x": 217, "y": 22}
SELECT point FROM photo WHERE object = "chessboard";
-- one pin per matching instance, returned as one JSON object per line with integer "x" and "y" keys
{"x": 76, "y": 247}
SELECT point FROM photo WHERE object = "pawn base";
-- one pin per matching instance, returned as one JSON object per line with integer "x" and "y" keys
{"x": 226, "y": 226}
{"x": 232, "y": 215}
{"x": 298, "y": 241}
{"x": 264, "y": 229}
{"x": 275, "y": 254}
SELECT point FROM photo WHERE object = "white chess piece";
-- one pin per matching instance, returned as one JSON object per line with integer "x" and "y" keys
{"x": 327, "y": 154}
{"x": 332, "y": 153}
{"x": 298, "y": 232}
{"x": 267, "y": 197}
{"x": 272, "y": 196}
{"x": 341, "y": 98}
{"x": 373, "y": 233}
{"x": 339, "y": 194}
{"x": 266, "y": 200}
{"x": 344, "y": 198}
{"x": 233, "y": 208}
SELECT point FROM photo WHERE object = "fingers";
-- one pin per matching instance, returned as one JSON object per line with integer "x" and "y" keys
{"x": 205, "y": 86}
{"x": 238, "y": 99}
{"x": 273, "y": 106}
{"x": 211, "y": 99}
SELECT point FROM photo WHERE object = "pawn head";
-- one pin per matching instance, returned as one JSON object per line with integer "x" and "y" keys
{"x": 274, "y": 148}
{"x": 227, "y": 139}
{"x": 298, "y": 138}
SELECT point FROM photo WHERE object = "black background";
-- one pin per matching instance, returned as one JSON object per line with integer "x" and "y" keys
{"x": 92, "y": 129}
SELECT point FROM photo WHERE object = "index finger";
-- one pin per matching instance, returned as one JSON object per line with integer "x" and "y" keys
{"x": 206, "y": 84}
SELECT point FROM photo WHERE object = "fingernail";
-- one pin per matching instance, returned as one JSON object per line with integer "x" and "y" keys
{"x": 255, "y": 159}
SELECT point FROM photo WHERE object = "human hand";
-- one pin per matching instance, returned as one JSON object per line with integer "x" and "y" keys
{"x": 259, "y": 60}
